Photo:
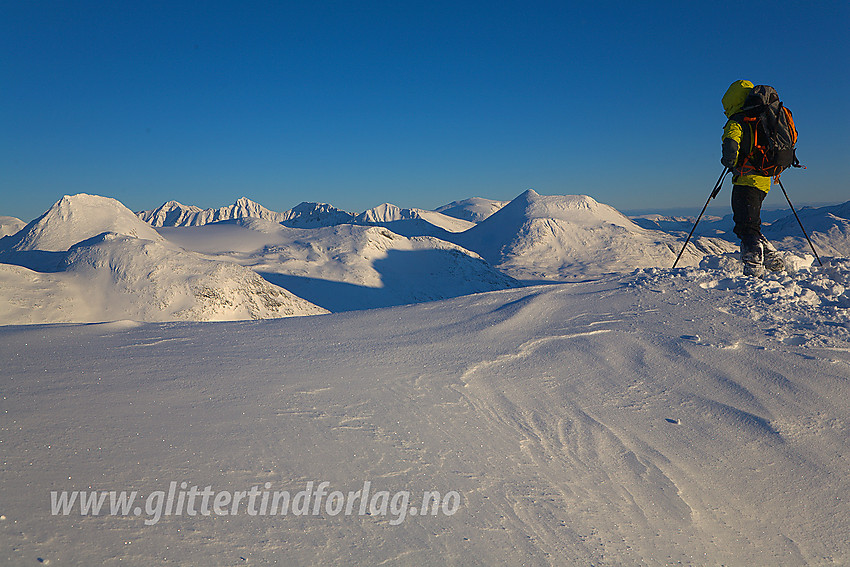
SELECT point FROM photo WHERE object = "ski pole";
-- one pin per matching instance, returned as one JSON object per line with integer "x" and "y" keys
{"x": 714, "y": 193}
{"x": 799, "y": 221}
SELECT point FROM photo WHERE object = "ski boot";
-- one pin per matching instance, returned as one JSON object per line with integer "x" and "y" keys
{"x": 752, "y": 257}
{"x": 772, "y": 260}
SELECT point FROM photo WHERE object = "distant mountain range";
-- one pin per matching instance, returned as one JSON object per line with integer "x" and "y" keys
{"x": 313, "y": 215}
{"x": 89, "y": 258}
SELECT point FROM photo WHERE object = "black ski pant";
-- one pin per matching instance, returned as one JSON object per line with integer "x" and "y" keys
{"x": 746, "y": 212}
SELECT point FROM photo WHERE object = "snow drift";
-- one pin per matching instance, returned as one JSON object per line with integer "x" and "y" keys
{"x": 638, "y": 420}
{"x": 690, "y": 416}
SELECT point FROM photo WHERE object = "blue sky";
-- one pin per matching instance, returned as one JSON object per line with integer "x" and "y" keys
{"x": 415, "y": 103}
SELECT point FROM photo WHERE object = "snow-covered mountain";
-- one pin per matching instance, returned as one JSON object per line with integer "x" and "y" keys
{"x": 709, "y": 225}
{"x": 412, "y": 222}
{"x": 669, "y": 417}
{"x": 537, "y": 236}
{"x": 828, "y": 228}
{"x": 347, "y": 266}
{"x": 75, "y": 218}
{"x": 173, "y": 213}
{"x": 315, "y": 215}
{"x": 90, "y": 258}
{"x": 475, "y": 209}
{"x": 650, "y": 417}
{"x": 10, "y": 225}
{"x": 384, "y": 256}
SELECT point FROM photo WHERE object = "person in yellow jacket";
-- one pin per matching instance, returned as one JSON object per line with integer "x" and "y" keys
{"x": 748, "y": 191}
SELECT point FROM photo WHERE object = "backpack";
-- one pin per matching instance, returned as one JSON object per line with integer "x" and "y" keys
{"x": 769, "y": 135}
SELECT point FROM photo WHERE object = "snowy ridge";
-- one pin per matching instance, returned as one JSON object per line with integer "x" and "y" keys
{"x": 173, "y": 213}
{"x": 387, "y": 214}
{"x": 828, "y": 227}
{"x": 304, "y": 215}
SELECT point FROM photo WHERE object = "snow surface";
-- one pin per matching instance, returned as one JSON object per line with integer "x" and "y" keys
{"x": 412, "y": 222}
{"x": 75, "y": 218}
{"x": 475, "y": 209}
{"x": 346, "y": 267}
{"x": 10, "y": 225}
{"x": 173, "y": 213}
{"x": 306, "y": 215}
{"x": 642, "y": 416}
{"x": 633, "y": 420}
{"x": 572, "y": 236}
{"x": 90, "y": 259}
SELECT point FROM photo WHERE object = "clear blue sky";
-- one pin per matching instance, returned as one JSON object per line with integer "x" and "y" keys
{"x": 415, "y": 103}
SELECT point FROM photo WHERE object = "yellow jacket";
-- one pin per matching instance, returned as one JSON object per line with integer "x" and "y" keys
{"x": 733, "y": 101}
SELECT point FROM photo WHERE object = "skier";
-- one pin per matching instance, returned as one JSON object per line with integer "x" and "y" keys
{"x": 748, "y": 191}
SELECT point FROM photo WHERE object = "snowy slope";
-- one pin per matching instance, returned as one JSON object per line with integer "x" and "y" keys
{"x": 709, "y": 225}
{"x": 687, "y": 417}
{"x": 348, "y": 266}
{"x": 475, "y": 209}
{"x": 75, "y": 218}
{"x": 537, "y": 236}
{"x": 91, "y": 259}
{"x": 10, "y": 225}
{"x": 828, "y": 227}
{"x": 412, "y": 222}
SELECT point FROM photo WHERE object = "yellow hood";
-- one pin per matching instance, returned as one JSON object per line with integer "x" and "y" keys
{"x": 735, "y": 95}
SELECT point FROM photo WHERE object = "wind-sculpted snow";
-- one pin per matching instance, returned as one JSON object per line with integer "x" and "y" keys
{"x": 633, "y": 420}
{"x": 810, "y": 306}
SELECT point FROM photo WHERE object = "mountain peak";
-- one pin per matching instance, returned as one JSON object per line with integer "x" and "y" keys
{"x": 75, "y": 218}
